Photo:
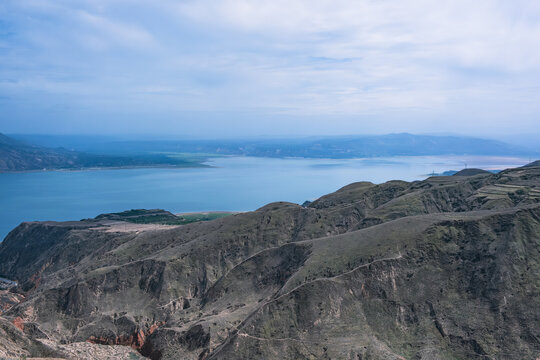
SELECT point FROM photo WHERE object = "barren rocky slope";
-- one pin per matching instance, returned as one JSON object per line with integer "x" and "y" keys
{"x": 445, "y": 268}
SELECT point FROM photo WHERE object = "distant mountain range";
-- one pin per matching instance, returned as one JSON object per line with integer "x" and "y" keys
{"x": 356, "y": 146}
{"x": 17, "y": 155}
{"x": 41, "y": 152}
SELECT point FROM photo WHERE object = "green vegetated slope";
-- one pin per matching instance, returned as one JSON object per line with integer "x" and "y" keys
{"x": 19, "y": 156}
{"x": 445, "y": 268}
{"x": 158, "y": 216}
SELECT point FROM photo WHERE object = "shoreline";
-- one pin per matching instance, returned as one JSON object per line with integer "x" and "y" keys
{"x": 518, "y": 161}
{"x": 101, "y": 168}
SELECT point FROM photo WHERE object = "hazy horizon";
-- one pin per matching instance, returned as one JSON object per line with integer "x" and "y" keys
{"x": 244, "y": 68}
{"x": 529, "y": 140}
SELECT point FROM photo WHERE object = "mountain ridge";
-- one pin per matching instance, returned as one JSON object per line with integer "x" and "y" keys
{"x": 441, "y": 268}
{"x": 350, "y": 146}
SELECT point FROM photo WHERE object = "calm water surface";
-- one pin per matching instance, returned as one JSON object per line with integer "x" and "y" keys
{"x": 236, "y": 184}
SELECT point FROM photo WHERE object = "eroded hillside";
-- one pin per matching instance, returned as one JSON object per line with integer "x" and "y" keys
{"x": 445, "y": 268}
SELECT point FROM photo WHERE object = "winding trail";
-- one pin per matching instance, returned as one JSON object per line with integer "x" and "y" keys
{"x": 238, "y": 332}
{"x": 337, "y": 276}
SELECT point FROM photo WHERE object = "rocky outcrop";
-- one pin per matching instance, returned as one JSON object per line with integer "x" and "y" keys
{"x": 15, "y": 344}
{"x": 472, "y": 172}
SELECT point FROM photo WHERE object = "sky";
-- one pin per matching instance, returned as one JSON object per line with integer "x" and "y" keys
{"x": 225, "y": 68}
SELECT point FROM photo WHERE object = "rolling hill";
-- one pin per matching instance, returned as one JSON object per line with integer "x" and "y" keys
{"x": 445, "y": 268}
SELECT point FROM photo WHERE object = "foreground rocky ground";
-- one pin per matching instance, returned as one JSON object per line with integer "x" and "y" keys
{"x": 446, "y": 268}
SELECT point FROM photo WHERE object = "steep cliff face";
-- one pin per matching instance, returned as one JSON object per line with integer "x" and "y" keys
{"x": 444, "y": 268}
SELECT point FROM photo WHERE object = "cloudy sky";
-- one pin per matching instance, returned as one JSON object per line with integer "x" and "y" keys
{"x": 241, "y": 67}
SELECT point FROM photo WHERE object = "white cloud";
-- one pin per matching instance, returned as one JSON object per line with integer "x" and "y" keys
{"x": 340, "y": 58}
{"x": 117, "y": 32}
{"x": 479, "y": 33}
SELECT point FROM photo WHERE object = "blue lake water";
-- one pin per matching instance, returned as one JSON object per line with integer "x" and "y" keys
{"x": 235, "y": 183}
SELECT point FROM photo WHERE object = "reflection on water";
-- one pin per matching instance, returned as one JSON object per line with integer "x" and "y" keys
{"x": 235, "y": 183}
